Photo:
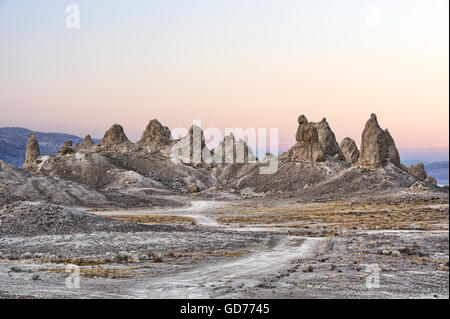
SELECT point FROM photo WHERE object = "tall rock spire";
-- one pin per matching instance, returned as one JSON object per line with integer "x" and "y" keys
{"x": 32, "y": 151}
{"x": 350, "y": 150}
{"x": 328, "y": 140}
{"x": 377, "y": 146}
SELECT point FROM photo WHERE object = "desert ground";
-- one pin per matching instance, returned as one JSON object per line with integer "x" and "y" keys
{"x": 242, "y": 249}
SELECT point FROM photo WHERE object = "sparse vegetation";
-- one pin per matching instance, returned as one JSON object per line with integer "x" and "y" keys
{"x": 349, "y": 216}
{"x": 154, "y": 219}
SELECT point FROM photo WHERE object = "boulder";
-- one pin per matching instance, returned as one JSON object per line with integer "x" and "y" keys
{"x": 419, "y": 186}
{"x": 155, "y": 134}
{"x": 377, "y": 146}
{"x": 328, "y": 140}
{"x": 32, "y": 151}
{"x": 66, "y": 148}
{"x": 308, "y": 147}
{"x": 193, "y": 189}
{"x": 350, "y": 150}
{"x": 418, "y": 171}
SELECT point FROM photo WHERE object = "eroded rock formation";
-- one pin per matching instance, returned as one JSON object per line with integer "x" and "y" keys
{"x": 66, "y": 148}
{"x": 197, "y": 143}
{"x": 155, "y": 134}
{"x": 231, "y": 150}
{"x": 117, "y": 164}
{"x": 350, "y": 150}
{"x": 308, "y": 148}
{"x": 115, "y": 135}
{"x": 377, "y": 146}
{"x": 418, "y": 171}
{"x": 419, "y": 186}
{"x": 327, "y": 140}
{"x": 191, "y": 148}
{"x": 85, "y": 146}
{"x": 115, "y": 141}
{"x": 32, "y": 151}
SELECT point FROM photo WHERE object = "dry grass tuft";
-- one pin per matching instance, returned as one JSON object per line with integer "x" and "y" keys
{"x": 154, "y": 219}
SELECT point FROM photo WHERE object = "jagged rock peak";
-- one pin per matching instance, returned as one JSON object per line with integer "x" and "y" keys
{"x": 115, "y": 135}
{"x": 231, "y": 150}
{"x": 328, "y": 140}
{"x": 196, "y": 134}
{"x": 196, "y": 137}
{"x": 308, "y": 147}
{"x": 86, "y": 145}
{"x": 350, "y": 150}
{"x": 191, "y": 148}
{"x": 391, "y": 153}
{"x": 155, "y": 133}
{"x": 87, "y": 141}
{"x": 302, "y": 119}
{"x": 377, "y": 146}
{"x": 418, "y": 171}
{"x": 66, "y": 148}
{"x": 32, "y": 151}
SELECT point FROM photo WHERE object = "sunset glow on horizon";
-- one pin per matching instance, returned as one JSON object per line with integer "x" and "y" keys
{"x": 229, "y": 64}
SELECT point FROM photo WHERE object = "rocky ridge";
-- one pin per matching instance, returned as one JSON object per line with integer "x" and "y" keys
{"x": 315, "y": 164}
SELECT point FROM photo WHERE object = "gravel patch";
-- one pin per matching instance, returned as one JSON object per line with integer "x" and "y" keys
{"x": 38, "y": 218}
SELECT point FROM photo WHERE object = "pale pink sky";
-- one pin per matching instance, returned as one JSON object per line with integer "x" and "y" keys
{"x": 229, "y": 64}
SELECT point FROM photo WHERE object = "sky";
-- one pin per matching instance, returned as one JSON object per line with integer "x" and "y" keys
{"x": 229, "y": 63}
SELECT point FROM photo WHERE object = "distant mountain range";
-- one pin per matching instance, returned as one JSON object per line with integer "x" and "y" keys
{"x": 438, "y": 170}
{"x": 13, "y": 141}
